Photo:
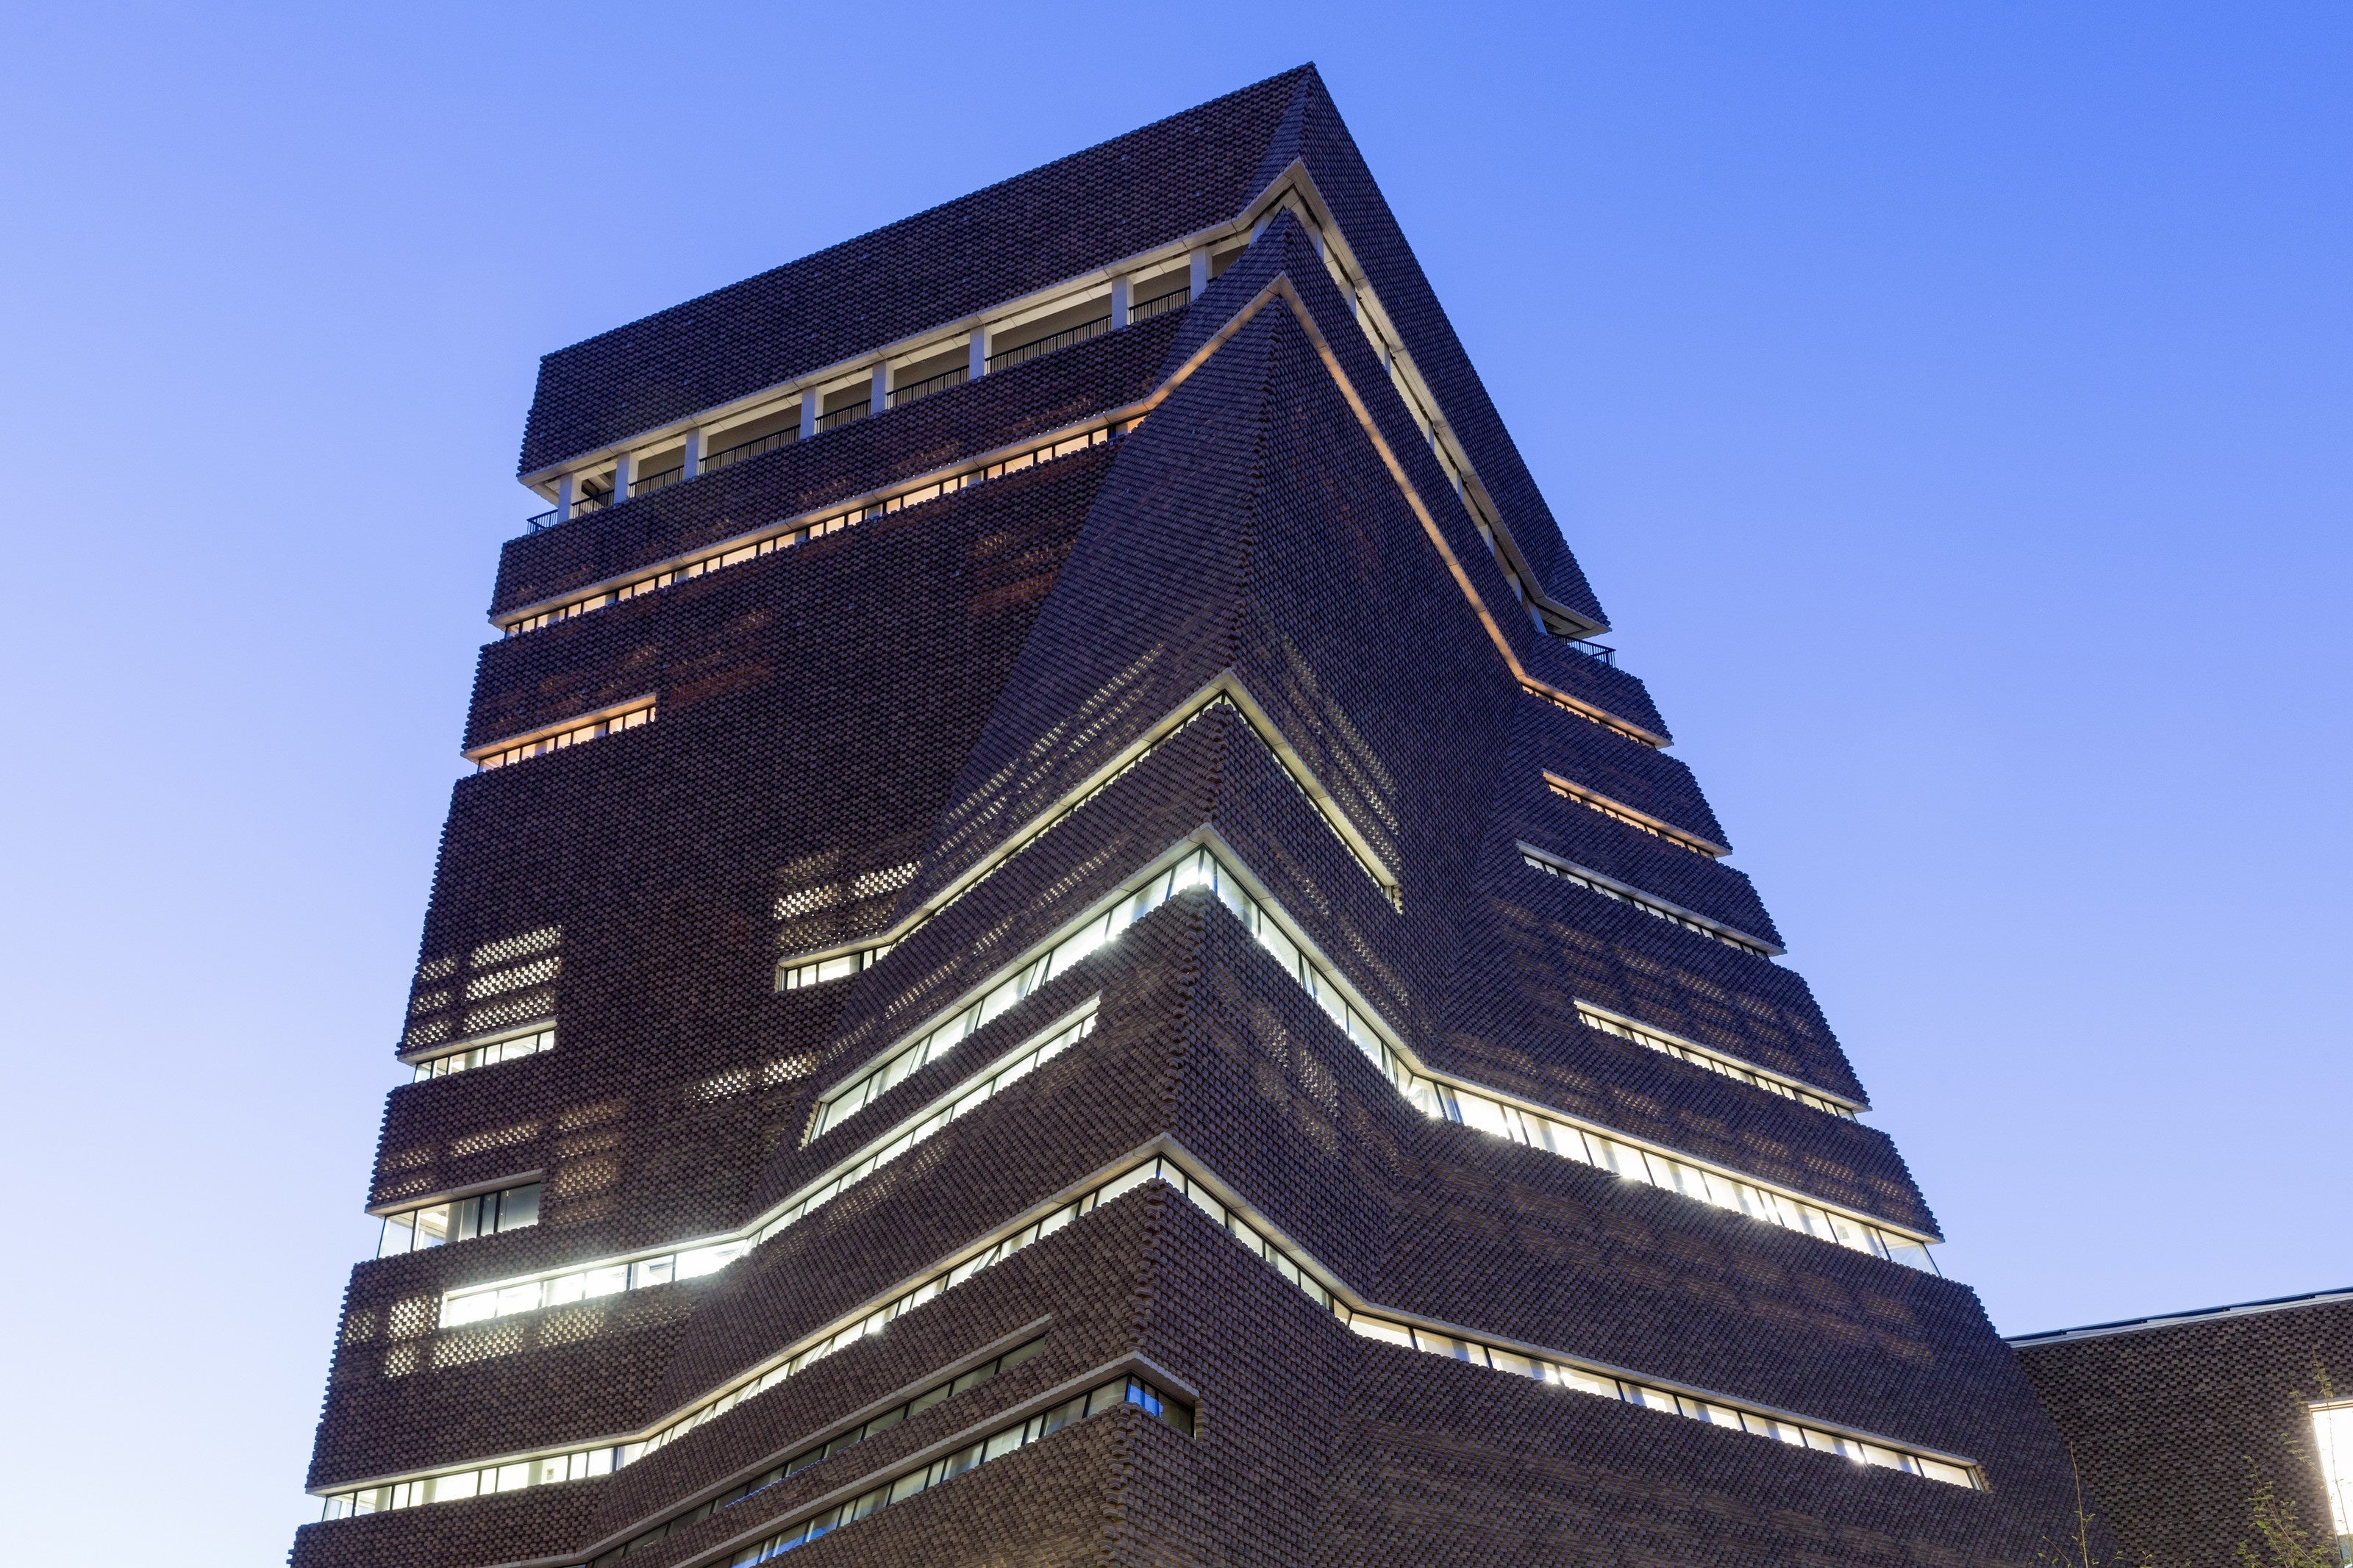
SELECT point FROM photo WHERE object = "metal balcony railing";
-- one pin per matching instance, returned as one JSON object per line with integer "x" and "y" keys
{"x": 929, "y": 384}
{"x": 1159, "y": 305}
{"x": 1047, "y": 345}
{"x": 581, "y": 507}
{"x": 1594, "y": 650}
{"x": 743, "y": 450}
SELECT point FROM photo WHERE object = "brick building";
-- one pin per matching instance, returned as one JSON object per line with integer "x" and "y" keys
{"x": 1064, "y": 950}
{"x": 2176, "y": 1421}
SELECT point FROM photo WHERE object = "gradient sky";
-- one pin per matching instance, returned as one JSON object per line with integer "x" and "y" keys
{"x": 1949, "y": 403}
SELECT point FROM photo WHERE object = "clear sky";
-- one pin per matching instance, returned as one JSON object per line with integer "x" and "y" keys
{"x": 1949, "y": 403}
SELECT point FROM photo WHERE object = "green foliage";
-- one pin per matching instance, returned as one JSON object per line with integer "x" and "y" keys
{"x": 2281, "y": 1539}
{"x": 2284, "y": 1542}
{"x": 2077, "y": 1550}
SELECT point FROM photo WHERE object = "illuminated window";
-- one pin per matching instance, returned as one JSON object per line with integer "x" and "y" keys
{"x": 1308, "y": 1278}
{"x": 1120, "y": 1391}
{"x": 776, "y": 538}
{"x": 506, "y": 1297}
{"x": 460, "y": 1219}
{"x": 1610, "y": 888}
{"x": 818, "y": 1452}
{"x": 840, "y": 967}
{"x": 2332, "y": 1433}
{"x": 1683, "y": 1050}
{"x": 512, "y": 1048}
{"x": 1619, "y": 814}
{"x": 578, "y": 735}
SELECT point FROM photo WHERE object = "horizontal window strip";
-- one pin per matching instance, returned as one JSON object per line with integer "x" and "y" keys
{"x": 489, "y": 1052}
{"x": 506, "y": 756}
{"x": 817, "y": 1453}
{"x": 824, "y": 971}
{"x": 1618, "y": 814}
{"x": 794, "y": 973}
{"x": 1561, "y": 1371}
{"x": 481, "y": 1303}
{"x": 1456, "y": 1102}
{"x": 458, "y": 1219}
{"x": 1683, "y": 1050}
{"x": 965, "y": 1097}
{"x": 1119, "y": 1394}
{"x": 1446, "y": 1100}
{"x": 1610, "y": 888}
{"x": 603, "y": 1458}
{"x": 513, "y": 1474}
{"x": 1591, "y": 715}
{"x": 785, "y": 536}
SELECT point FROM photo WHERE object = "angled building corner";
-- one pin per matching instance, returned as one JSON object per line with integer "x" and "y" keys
{"x": 1065, "y": 950}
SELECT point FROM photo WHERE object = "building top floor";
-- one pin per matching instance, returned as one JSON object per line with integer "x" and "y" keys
{"x": 1149, "y": 190}
{"x": 1083, "y": 245}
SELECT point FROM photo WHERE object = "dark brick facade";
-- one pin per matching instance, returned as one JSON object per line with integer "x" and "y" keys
{"x": 2173, "y": 1422}
{"x": 929, "y": 697}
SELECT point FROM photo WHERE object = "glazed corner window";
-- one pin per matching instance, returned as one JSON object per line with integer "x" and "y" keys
{"x": 463, "y": 1219}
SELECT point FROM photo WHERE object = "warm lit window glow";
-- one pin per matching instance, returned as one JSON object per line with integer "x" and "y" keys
{"x": 1683, "y": 1050}
{"x": 577, "y": 736}
{"x": 751, "y": 549}
{"x": 1568, "y": 791}
{"x": 1610, "y": 888}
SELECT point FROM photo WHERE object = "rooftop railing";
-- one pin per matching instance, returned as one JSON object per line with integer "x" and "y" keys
{"x": 1046, "y": 345}
{"x": 929, "y": 384}
{"x": 653, "y": 482}
{"x": 1594, "y": 650}
{"x": 743, "y": 450}
{"x": 1159, "y": 305}
{"x": 1143, "y": 310}
{"x": 581, "y": 507}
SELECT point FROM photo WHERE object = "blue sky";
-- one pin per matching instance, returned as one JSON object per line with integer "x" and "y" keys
{"x": 1949, "y": 403}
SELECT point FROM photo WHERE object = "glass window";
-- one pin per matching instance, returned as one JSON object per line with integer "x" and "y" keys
{"x": 2332, "y": 1431}
{"x": 399, "y": 1235}
{"x": 1584, "y": 1381}
{"x": 704, "y": 1260}
{"x": 519, "y": 1207}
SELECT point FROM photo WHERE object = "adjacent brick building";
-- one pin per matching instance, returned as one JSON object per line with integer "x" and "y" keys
{"x": 1066, "y": 950}
{"x": 2175, "y": 1422}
